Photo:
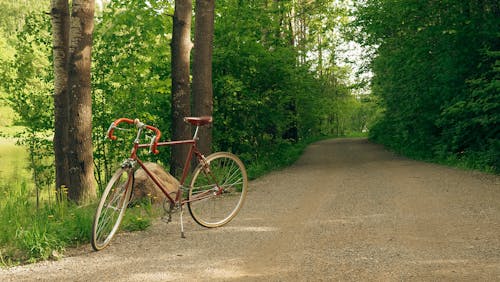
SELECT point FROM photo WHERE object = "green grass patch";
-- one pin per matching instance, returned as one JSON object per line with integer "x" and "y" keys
{"x": 7, "y": 114}
{"x": 140, "y": 215}
{"x": 30, "y": 234}
{"x": 136, "y": 219}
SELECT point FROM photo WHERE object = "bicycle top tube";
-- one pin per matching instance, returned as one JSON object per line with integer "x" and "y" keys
{"x": 196, "y": 121}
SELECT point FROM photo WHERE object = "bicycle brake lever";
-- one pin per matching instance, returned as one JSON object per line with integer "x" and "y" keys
{"x": 152, "y": 143}
{"x": 112, "y": 126}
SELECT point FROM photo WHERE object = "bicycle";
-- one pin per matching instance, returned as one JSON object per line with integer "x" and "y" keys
{"x": 215, "y": 195}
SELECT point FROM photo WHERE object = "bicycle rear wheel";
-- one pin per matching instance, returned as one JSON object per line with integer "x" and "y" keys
{"x": 109, "y": 213}
{"x": 208, "y": 207}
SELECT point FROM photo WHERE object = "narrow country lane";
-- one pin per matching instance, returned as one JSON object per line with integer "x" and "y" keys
{"x": 348, "y": 210}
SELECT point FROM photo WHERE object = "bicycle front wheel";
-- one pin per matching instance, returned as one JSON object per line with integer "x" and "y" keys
{"x": 109, "y": 213}
{"x": 218, "y": 189}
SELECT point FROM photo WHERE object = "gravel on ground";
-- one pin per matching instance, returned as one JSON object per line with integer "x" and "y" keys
{"x": 347, "y": 210}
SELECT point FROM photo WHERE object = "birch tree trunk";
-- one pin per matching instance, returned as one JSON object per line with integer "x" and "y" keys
{"x": 181, "y": 106}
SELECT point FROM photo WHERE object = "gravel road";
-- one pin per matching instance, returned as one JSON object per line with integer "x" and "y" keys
{"x": 348, "y": 210}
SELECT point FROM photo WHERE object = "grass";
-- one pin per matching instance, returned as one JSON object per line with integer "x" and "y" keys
{"x": 29, "y": 233}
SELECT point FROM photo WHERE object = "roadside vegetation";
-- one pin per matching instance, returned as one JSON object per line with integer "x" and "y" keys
{"x": 436, "y": 76}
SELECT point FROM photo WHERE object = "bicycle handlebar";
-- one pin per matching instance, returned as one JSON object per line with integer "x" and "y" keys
{"x": 139, "y": 125}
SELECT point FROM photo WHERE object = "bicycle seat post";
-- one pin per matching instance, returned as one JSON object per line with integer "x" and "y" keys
{"x": 195, "y": 136}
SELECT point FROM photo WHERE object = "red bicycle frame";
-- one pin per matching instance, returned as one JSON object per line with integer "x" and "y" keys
{"x": 197, "y": 121}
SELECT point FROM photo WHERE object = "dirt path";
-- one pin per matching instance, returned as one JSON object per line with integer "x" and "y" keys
{"x": 346, "y": 211}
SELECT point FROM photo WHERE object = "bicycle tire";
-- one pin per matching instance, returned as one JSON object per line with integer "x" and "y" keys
{"x": 112, "y": 206}
{"x": 211, "y": 210}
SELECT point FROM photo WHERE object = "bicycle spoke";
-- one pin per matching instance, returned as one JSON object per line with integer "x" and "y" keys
{"x": 111, "y": 209}
{"x": 226, "y": 172}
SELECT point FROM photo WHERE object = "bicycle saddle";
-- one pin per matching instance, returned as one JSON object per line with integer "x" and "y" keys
{"x": 198, "y": 121}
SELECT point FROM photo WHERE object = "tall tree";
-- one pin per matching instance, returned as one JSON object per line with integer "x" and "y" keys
{"x": 81, "y": 167}
{"x": 73, "y": 100}
{"x": 202, "y": 68}
{"x": 181, "y": 106}
{"x": 60, "y": 35}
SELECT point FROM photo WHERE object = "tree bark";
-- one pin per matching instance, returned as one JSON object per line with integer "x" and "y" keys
{"x": 181, "y": 107}
{"x": 81, "y": 169}
{"x": 60, "y": 33}
{"x": 202, "y": 69}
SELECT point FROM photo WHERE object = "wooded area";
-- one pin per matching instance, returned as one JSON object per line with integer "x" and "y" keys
{"x": 275, "y": 78}
{"x": 276, "y": 71}
{"x": 437, "y": 77}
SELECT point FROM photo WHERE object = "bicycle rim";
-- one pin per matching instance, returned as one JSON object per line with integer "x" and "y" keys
{"x": 111, "y": 209}
{"x": 225, "y": 170}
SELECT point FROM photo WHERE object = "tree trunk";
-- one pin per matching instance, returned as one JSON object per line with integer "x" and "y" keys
{"x": 60, "y": 33}
{"x": 181, "y": 107}
{"x": 81, "y": 169}
{"x": 202, "y": 69}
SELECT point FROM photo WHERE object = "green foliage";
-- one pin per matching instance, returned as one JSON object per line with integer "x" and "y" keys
{"x": 6, "y": 60}
{"x": 30, "y": 85}
{"x": 261, "y": 91}
{"x": 139, "y": 216}
{"x": 432, "y": 77}
{"x": 30, "y": 234}
{"x": 14, "y": 12}
{"x": 29, "y": 88}
{"x": 267, "y": 94}
{"x": 37, "y": 243}
{"x": 131, "y": 75}
{"x": 471, "y": 122}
